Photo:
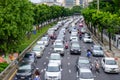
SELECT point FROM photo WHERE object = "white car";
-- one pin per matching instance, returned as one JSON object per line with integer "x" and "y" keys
{"x": 110, "y": 65}
{"x": 41, "y": 44}
{"x": 73, "y": 36}
{"x": 55, "y": 58}
{"x": 53, "y": 72}
{"x": 37, "y": 50}
{"x": 85, "y": 74}
{"x": 45, "y": 40}
{"x": 87, "y": 38}
{"x": 59, "y": 48}
{"x": 83, "y": 30}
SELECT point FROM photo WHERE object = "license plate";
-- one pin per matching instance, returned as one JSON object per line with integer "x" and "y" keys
{"x": 22, "y": 77}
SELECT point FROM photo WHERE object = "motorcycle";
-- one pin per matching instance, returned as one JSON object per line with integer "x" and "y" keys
{"x": 66, "y": 46}
{"x": 37, "y": 77}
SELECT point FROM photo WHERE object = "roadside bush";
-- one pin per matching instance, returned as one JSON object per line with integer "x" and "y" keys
{"x": 3, "y": 66}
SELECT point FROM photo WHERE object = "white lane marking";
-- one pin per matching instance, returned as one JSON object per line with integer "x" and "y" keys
{"x": 44, "y": 63}
{"x": 68, "y": 64}
{"x": 46, "y": 57}
{"x": 69, "y": 71}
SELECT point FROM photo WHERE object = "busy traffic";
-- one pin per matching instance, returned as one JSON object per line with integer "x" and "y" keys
{"x": 67, "y": 52}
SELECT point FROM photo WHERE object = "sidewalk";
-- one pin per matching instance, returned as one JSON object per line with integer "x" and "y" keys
{"x": 109, "y": 53}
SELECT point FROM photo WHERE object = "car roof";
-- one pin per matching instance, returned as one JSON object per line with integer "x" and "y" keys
{"x": 55, "y": 54}
{"x": 109, "y": 58}
{"x": 85, "y": 70}
{"x": 96, "y": 45}
{"x": 85, "y": 58}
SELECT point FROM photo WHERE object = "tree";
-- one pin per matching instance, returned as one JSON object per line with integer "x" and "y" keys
{"x": 16, "y": 17}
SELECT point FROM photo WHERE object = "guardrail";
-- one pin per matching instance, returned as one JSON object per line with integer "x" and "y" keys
{"x": 5, "y": 75}
{"x": 13, "y": 65}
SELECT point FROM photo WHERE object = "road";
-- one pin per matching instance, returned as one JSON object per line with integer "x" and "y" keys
{"x": 69, "y": 62}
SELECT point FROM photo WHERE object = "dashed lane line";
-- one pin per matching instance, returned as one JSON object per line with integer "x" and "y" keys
{"x": 69, "y": 71}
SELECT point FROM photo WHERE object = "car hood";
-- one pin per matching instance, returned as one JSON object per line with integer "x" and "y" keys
{"x": 61, "y": 49}
{"x": 111, "y": 66}
{"x": 84, "y": 65}
{"x": 56, "y": 61}
{"x": 53, "y": 73}
{"x": 23, "y": 73}
{"x": 96, "y": 51}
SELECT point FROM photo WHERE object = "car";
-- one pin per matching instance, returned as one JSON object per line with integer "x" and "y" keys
{"x": 87, "y": 38}
{"x": 97, "y": 51}
{"x": 45, "y": 40}
{"x": 73, "y": 36}
{"x": 85, "y": 74}
{"x": 25, "y": 71}
{"x": 55, "y": 58}
{"x": 75, "y": 48}
{"x": 41, "y": 44}
{"x": 74, "y": 39}
{"x": 53, "y": 71}
{"x": 29, "y": 57}
{"x": 110, "y": 65}
{"x": 59, "y": 48}
{"x": 83, "y": 62}
{"x": 37, "y": 50}
{"x": 83, "y": 30}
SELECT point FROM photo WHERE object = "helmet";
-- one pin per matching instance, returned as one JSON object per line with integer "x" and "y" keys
{"x": 37, "y": 68}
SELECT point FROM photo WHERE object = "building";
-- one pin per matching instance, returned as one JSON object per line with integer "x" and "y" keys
{"x": 70, "y": 3}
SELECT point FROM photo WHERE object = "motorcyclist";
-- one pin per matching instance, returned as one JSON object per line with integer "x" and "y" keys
{"x": 97, "y": 65}
{"x": 88, "y": 53}
{"x": 37, "y": 73}
{"x": 66, "y": 45}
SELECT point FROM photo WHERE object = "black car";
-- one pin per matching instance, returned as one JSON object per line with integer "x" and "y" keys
{"x": 30, "y": 57}
{"x": 75, "y": 48}
{"x": 83, "y": 62}
{"x": 25, "y": 71}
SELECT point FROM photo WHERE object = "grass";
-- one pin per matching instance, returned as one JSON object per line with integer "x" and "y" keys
{"x": 40, "y": 32}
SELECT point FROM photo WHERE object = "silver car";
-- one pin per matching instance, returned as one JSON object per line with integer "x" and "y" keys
{"x": 97, "y": 50}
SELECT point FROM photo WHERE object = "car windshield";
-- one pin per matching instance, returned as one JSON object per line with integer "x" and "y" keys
{"x": 97, "y": 48}
{"x": 53, "y": 69}
{"x": 84, "y": 61}
{"x": 111, "y": 62}
{"x": 23, "y": 70}
{"x": 44, "y": 39}
{"x": 36, "y": 49}
{"x": 75, "y": 45}
{"x": 86, "y": 75}
{"x": 58, "y": 46}
{"x": 55, "y": 57}
{"x": 28, "y": 56}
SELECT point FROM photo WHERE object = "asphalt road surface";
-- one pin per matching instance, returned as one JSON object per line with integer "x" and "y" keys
{"x": 69, "y": 62}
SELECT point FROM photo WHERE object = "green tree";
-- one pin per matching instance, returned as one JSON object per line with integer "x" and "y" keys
{"x": 16, "y": 17}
